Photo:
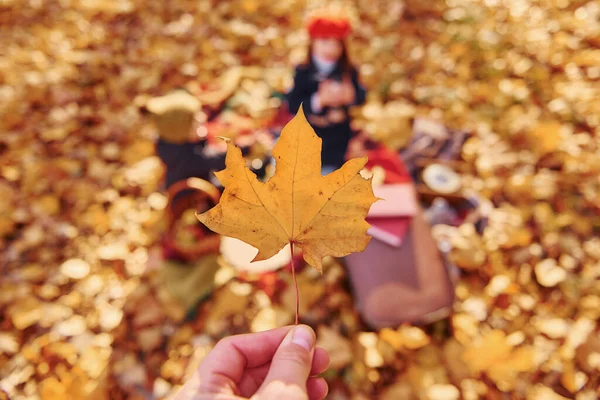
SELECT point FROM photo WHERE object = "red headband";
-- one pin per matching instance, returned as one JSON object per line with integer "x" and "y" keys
{"x": 323, "y": 27}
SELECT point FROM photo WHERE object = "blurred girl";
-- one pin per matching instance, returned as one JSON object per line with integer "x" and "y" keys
{"x": 327, "y": 85}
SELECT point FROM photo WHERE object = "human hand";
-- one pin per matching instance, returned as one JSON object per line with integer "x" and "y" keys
{"x": 336, "y": 94}
{"x": 324, "y": 93}
{"x": 348, "y": 92}
{"x": 276, "y": 364}
{"x": 330, "y": 93}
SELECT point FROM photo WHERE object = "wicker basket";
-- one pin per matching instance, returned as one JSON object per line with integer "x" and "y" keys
{"x": 192, "y": 194}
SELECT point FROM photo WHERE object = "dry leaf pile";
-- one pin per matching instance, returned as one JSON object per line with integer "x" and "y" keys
{"x": 83, "y": 312}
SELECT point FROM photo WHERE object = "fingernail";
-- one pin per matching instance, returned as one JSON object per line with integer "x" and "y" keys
{"x": 303, "y": 337}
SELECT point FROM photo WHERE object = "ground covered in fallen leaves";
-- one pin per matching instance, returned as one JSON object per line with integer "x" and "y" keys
{"x": 84, "y": 314}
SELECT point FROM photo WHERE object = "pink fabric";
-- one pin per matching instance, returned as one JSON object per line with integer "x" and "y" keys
{"x": 395, "y": 172}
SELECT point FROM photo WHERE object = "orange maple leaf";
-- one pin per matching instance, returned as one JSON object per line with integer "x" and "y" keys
{"x": 323, "y": 215}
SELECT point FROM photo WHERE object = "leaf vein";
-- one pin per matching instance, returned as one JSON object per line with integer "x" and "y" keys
{"x": 261, "y": 202}
{"x": 322, "y": 207}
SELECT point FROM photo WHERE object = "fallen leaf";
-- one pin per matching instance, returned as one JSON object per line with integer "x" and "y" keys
{"x": 506, "y": 371}
{"x": 53, "y": 313}
{"x": 457, "y": 368}
{"x": 75, "y": 268}
{"x": 26, "y": 312}
{"x": 161, "y": 388}
{"x": 270, "y": 318}
{"x": 443, "y": 392}
{"x": 129, "y": 372}
{"x": 172, "y": 369}
{"x": 373, "y": 358}
{"x": 73, "y": 326}
{"x": 338, "y": 347}
{"x": 8, "y": 343}
{"x": 62, "y": 351}
{"x": 113, "y": 251}
{"x": 541, "y": 392}
{"x": 149, "y": 338}
{"x": 572, "y": 379}
{"x": 226, "y": 303}
{"x": 227, "y": 84}
{"x": 548, "y": 273}
{"x": 519, "y": 75}
{"x": 311, "y": 294}
{"x": 494, "y": 355}
{"x": 110, "y": 317}
{"x": 52, "y": 388}
{"x": 149, "y": 312}
{"x": 487, "y": 351}
{"x": 578, "y": 335}
{"x": 554, "y": 328}
{"x": 49, "y": 292}
{"x": 588, "y": 354}
{"x": 413, "y": 337}
{"x": 32, "y": 272}
{"x": 322, "y": 215}
{"x": 399, "y": 390}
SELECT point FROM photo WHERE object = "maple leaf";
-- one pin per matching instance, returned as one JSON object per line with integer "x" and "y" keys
{"x": 494, "y": 355}
{"x": 323, "y": 215}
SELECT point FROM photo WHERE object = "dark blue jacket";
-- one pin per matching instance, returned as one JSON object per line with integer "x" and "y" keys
{"x": 187, "y": 160}
{"x": 335, "y": 136}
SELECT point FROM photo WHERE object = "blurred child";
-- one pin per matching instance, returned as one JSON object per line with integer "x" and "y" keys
{"x": 189, "y": 250}
{"x": 327, "y": 85}
{"x": 182, "y": 143}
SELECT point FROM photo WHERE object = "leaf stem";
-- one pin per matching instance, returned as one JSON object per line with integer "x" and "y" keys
{"x": 295, "y": 281}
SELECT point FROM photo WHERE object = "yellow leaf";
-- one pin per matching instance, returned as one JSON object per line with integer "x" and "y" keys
{"x": 413, "y": 337}
{"x": 338, "y": 347}
{"x": 495, "y": 355}
{"x": 520, "y": 360}
{"x": 489, "y": 350}
{"x": 545, "y": 137}
{"x": 228, "y": 83}
{"x": 391, "y": 336}
{"x": 572, "y": 379}
{"x": 541, "y": 392}
{"x": 323, "y": 215}
{"x": 8, "y": 343}
{"x": 443, "y": 392}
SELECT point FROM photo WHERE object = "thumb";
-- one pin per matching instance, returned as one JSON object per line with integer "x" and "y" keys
{"x": 291, "y": 365}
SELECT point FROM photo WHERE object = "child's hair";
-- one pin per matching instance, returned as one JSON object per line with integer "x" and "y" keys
{"x": 344, "y": 62}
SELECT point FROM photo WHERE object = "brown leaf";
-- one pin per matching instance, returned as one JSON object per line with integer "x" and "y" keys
{"x": 338, "y": 347}
{"x": 149, "y": 338}
{"x": 457, "y": 368}
{"x": 149, "y": 312}
{"x": 540, "y": 392}
{"x": 25, "y": 313}
{"x": 51, "y": 388}
{"x": 62, "y": 351}
{"x": 399, "y": 390}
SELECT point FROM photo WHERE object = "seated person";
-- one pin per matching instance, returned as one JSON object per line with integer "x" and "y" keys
{"x": 327, "y": 85}
{"x": 182, "y": 142}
